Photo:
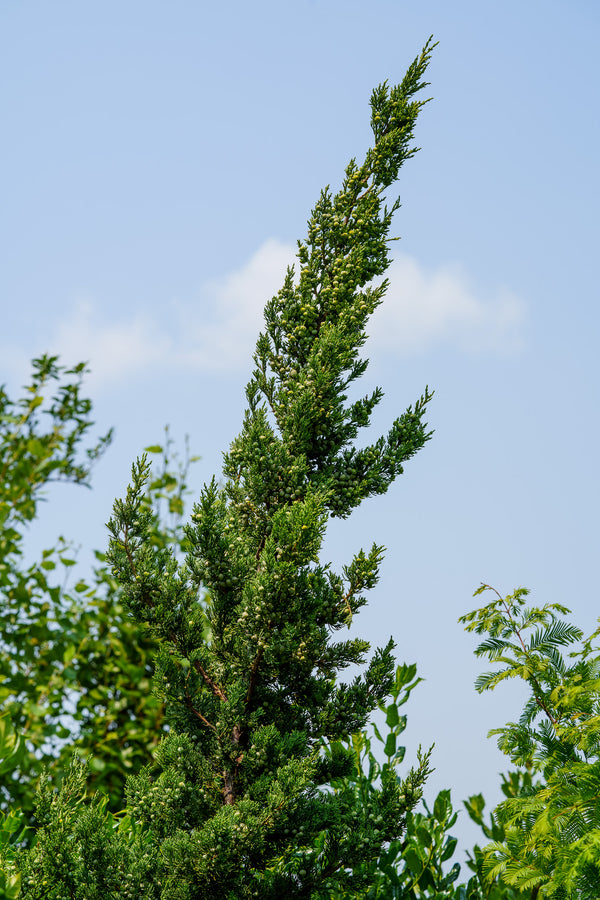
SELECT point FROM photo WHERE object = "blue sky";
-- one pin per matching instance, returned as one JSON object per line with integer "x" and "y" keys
{"x": 159, "y": 162}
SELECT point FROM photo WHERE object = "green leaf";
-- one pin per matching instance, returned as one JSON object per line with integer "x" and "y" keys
{"x": 176, "y": 505}
{"x": 377, "y": 733}
{"x": 441, "y": 805}
{"x": 413, "y": 860}
{"x": 449, "y": 848}
{"x": 424, "y": 837}
{"x": 392, "y": 717}
{"x": 390, "y": 745}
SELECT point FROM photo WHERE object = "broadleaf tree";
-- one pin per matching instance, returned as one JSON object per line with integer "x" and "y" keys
{"x": 42, "y": 438}
{"x": 239, "y": 801}
{"x": 74, "y": 666}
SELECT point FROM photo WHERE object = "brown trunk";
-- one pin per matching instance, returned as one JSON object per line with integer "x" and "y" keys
{"x": 229, "y": 789}
{"x": 229, "y": 783}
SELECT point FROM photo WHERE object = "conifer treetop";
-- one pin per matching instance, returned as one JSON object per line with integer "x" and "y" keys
{"x": 308, "y": 354}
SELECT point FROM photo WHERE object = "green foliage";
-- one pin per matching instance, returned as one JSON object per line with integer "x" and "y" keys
{"x": 405, "y": 862}
{"x": 12, "y": 835}
{"x": 420, "y": 864}
{"x": 513, "y": 785}
{"x": 551, "y": 841}
{"x": 240, "y": 798}
{"x": 31, "y": 456}
{"x": 40, "y": 441}
{"x": 74, "y": 665}
{"x": 428, "y": 845}
{"x": 13, "y": 829}
{"x": 82, "y": 851}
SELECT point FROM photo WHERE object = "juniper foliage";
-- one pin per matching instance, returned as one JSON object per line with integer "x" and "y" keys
{"x": 239, "y": 800}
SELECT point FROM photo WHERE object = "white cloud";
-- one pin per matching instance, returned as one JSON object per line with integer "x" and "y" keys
{"x": 424, "y": 308}
{"x": 113, "y": 349}
{"x": 216, "y": 333}
{"x": 224, "y": 336}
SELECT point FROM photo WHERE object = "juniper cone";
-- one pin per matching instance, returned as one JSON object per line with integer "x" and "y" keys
{"x": 237, "y": 803}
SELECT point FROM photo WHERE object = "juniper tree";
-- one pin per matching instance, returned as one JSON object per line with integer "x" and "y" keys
{"x": 238, "y": 802}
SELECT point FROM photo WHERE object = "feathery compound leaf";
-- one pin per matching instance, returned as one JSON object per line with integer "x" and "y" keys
{"x": 551, "y": 837}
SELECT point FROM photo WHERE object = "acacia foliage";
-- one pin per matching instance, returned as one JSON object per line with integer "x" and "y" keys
{"x": 238, "y": 801}
{"x": 551, "y": 843}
